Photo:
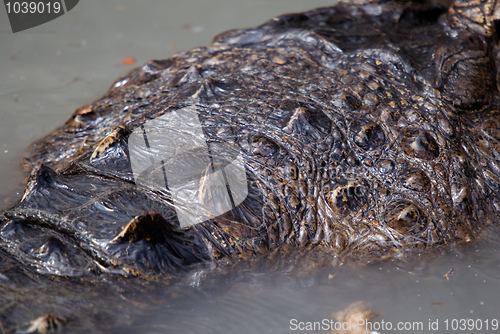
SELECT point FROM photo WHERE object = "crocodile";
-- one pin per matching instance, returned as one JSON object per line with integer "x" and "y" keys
{"x": 365, "y": 131}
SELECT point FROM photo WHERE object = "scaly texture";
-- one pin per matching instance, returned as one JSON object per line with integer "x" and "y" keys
{"x": 367, "y": 131}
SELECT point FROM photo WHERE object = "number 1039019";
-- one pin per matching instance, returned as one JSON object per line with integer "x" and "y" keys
{"x": 471, "y": 324}
{"x": 33, "y": 7}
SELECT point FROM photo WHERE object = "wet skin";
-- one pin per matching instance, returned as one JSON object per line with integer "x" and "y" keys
{"x": 366, "y": 132}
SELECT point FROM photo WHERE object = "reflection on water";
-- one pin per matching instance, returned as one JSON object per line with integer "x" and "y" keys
{"x": 421, "y": 294}
{"x": 256, "y": 301}
{"x": 51, "y": 70}
{"x": 462, "y": 284}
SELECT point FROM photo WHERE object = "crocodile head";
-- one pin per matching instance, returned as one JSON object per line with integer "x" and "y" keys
{"x": 367, "y": 130}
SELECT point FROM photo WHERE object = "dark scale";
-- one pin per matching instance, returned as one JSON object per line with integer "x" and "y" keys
{"x": 367, "y": 134}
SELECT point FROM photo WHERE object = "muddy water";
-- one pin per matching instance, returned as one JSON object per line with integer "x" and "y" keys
{"x": 418, "y": 298}
{"x": 49, "y": 71}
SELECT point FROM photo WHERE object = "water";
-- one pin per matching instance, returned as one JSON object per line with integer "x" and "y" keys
{"x": 413, "y": 298}
{"x": 49, "y": 71}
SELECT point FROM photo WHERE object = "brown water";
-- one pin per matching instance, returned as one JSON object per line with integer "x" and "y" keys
{"x": 49, "y": 71}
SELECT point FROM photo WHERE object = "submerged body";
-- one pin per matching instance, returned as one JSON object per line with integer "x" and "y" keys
{"x": 364, "y": 131}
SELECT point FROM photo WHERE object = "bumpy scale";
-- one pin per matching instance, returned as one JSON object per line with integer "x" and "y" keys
{"x": 368, "y": 130}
